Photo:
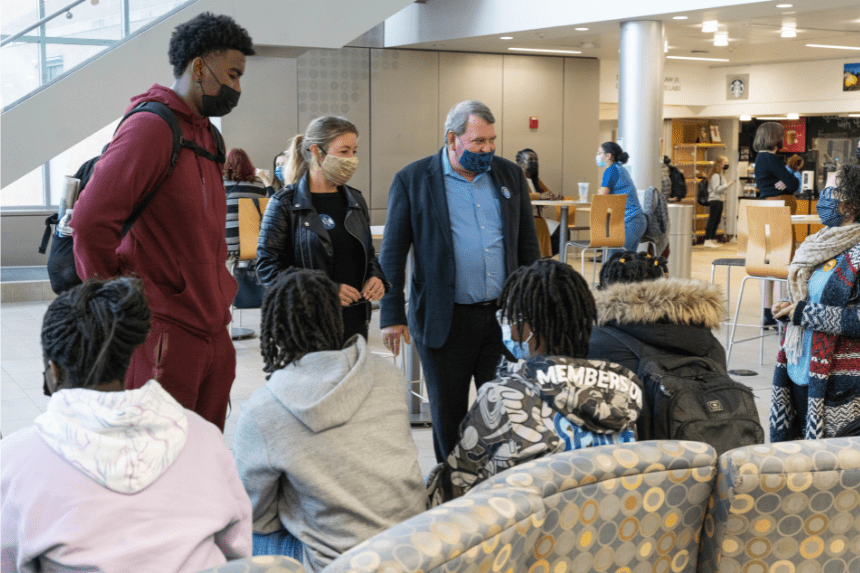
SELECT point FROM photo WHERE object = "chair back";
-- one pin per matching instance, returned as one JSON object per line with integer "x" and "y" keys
{"x": 771, "y": 242}
{"x": 786, "y": 503}
{"x": 250, "y": 218}
{"x": 607, "y": 220}
{"x": 743, "y": 232}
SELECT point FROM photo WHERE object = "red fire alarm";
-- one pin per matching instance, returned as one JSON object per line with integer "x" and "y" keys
{"x": 533, "y": 122}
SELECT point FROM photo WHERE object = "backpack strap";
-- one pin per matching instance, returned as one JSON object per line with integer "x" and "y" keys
{"x": 52, "y": 220}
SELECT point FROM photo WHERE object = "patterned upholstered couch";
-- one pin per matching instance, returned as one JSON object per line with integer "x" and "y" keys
{"x": 259, "y": 564}
{"x": 647, "y": 506}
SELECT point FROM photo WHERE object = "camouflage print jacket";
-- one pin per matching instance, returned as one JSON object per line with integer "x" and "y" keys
{"x": 541, "y": 406}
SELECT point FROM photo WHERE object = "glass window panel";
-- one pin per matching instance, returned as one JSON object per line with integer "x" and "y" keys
{"x": 21, "y": 74}
{"x": 69, "y": 56}
{"x": 17, "y": 15}
{"x": 67, "y": 162}
{"x": 144, "y": 11}
{"x": 102, "y": 21}
{"x": 25, "y": 192}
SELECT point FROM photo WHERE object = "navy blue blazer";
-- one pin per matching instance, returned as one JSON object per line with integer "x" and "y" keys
{"x": 418, "y": 216}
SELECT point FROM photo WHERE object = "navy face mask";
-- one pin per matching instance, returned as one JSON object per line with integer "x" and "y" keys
{"x": 221, "y": 103}
{"x": 532, "y": 166}
{"x": 828, "y": 209}
{"x": 475, "y": 162}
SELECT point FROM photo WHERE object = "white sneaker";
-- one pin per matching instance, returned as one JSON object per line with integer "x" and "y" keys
{"x": 708, "y": 243}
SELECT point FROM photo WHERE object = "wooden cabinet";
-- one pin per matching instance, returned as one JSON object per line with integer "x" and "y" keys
{"x": 694, "y": 160}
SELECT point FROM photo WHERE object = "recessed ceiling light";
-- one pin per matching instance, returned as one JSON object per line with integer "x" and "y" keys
{"x": 784, "y": 5}
{"x": 506, "y": 38}
{"x": 580, "y": 29}
{"x": 834, "y": 47}
{"x": 792, "y": 116}
{"x": 721, "y": 39}
{"x": 709, "y": 26}
{"x": 771, "y": 118}
{"x": 788, "y": 32}
{"x": 680, "y": 17}
{"x": 544, "y": 51}
{"x": 692, "y": 58}
{"x": 854, "y": 115}
{"x": 746, "y": 118}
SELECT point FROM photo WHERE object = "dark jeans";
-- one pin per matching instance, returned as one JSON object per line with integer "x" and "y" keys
{"x": 354, "y": 320}
{"x": 473, "y": 348}
{"x": 715, "y": 213}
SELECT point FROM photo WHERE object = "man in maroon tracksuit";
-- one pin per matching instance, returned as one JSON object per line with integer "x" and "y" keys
{"x": 177, "y": 246}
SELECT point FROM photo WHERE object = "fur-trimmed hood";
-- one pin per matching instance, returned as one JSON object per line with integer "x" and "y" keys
{"x": 677, "y": 301}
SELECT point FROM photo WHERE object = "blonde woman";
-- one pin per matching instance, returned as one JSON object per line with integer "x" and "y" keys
{"x": 318, "y": 222}
{"x": 717, "y": 186}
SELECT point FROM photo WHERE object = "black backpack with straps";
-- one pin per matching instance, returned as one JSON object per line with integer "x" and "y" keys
{"x": 61, "y": 259}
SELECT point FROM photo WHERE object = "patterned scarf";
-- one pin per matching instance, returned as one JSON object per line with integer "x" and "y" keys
{"x": 816, "y": 249}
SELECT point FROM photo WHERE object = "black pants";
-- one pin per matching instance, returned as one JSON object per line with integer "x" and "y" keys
{"x": 354, "y": 321}
{"x": 473, "y": 348}
{"x": 715, "y": 213}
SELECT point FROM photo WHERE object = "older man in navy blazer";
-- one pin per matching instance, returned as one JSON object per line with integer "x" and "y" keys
{"x": 469, "y": 217}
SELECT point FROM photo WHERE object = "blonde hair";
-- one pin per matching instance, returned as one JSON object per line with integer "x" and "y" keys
{"x": 717, "y": 166}
{"x": 768, "y": 136}
{"x": 321, "y": 131}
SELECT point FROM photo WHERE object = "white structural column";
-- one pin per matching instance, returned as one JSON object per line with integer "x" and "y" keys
{"x": 640, "y": 99}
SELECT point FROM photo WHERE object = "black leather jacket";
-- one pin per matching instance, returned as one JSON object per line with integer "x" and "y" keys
{"x": 292, "y": 235}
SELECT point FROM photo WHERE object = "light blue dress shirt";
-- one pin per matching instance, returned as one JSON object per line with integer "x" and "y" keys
{"x": 476, "y": 226}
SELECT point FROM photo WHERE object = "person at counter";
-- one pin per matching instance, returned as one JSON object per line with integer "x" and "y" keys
{"x": 774, "y": 181}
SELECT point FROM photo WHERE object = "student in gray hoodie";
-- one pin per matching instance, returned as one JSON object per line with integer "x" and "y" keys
{"x": 324, "y": 450}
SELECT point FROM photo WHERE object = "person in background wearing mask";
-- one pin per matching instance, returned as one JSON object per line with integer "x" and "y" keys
{"x": 529, "y": 410}
{"x": 469, "y": 217}
{"x": 815, "y": 388}
{"x": 177, "y": 246}
{"x": 717, "y": 186}
{"x": 617, "y": 181}
{"x": 527, "y": 159}
{"x": 318, "y": 222}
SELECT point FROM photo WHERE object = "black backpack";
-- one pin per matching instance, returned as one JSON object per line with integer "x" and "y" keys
{"x": 692, "y": 398}
{"x": 679, "y": 184}
{"x": 61, "y": 259}
{"x": 702, "y": 192}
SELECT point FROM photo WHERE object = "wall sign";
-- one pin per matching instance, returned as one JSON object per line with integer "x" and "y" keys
{"x": 851, "y": 78}
{"x": 794, "y": 136}
{"x": 737, "y": 86}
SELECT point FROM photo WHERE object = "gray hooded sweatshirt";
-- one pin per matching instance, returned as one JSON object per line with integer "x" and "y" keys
{"x": 325, "y": 450}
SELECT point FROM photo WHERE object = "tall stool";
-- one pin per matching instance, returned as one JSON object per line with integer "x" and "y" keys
{"x": 769, "y": 251}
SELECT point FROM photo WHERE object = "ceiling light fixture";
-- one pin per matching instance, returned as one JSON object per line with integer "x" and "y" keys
{"x": 680, "y": 17}
{"x": 834, "y": 47}
{"x": 746, "y": 118}
{"x": 854, "y": 115}
{"x": 784, "y": 5}
{"x": 701, "y": 59}
{"x": 709, "y": 26}
{"x": 581, "y": 29}
{"x": 506, "y": 38}
{"x": 788, "y": 32}
{"x": 721, "y": 39}
{"x": 544, "y": 51}
{"x": 773, "y": 118}
{"x": 665, "y": 45}
{"x": 792, "y": 116}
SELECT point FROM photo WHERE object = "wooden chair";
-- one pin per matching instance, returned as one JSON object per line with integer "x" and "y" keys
{"x": 770, "y": 249}
{"x": 739, "y": 259}
{"x": 250, "y": 217}
{"x": 606, "y": 228}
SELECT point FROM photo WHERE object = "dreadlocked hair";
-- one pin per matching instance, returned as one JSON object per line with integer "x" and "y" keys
{"x": 556, "y": 303}
{"x": 91, "y": 331}
{"x": 630, "y": 267}
{"x": 301, "y": 314}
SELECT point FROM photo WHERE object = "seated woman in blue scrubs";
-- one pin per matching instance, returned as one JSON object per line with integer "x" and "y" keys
{"x": 815, "y": 388}
{"x": 617, "y": 181}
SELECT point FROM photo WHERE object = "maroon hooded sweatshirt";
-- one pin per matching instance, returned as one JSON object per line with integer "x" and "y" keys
{"x": 177, "y": 246}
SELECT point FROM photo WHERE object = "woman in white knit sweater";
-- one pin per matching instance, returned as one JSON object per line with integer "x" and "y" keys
{"x": 717, "y": 186}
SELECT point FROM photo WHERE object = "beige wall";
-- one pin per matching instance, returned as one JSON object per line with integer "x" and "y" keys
{"x": 399, "y": 99}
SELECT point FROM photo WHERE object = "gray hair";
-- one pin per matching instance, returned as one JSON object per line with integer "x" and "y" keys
{"x": 768, "y": 136}
{"x": 458, "y": 117}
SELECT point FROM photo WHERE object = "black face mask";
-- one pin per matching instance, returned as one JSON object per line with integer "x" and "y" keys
{"x": 857, "y": 152}
{"x": 220, "y": 104}
{"x": 532, "y": 166}
{"x": 725, "y": 167}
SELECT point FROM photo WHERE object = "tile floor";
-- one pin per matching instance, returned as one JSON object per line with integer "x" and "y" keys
{"x": 21, "y": 361}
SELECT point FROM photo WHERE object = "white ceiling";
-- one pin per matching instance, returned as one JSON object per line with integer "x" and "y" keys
{"x": 753, "y": 31}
